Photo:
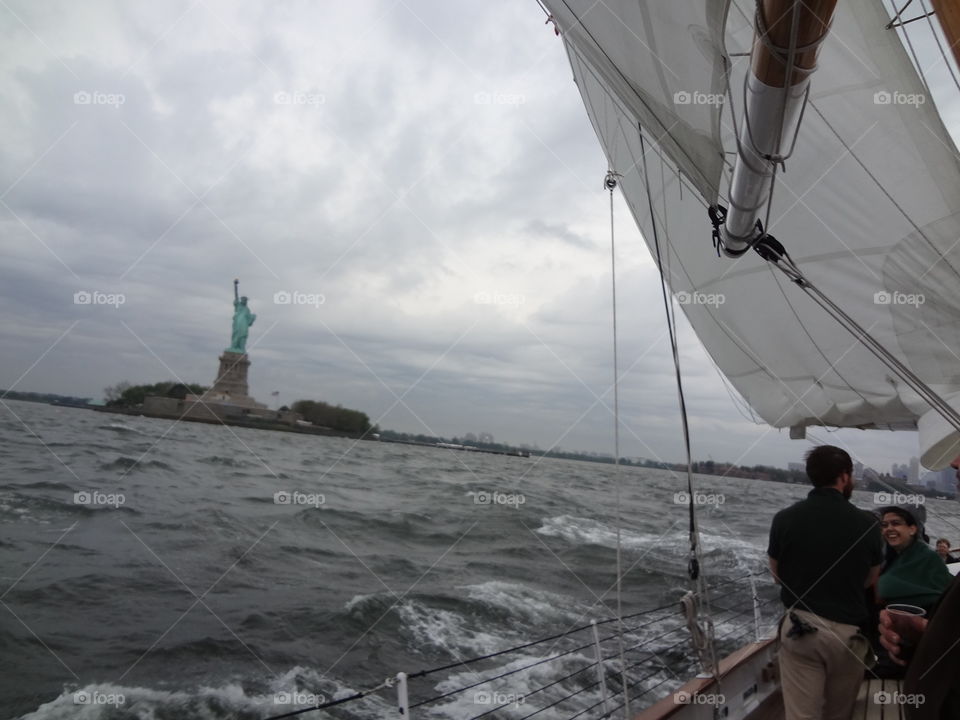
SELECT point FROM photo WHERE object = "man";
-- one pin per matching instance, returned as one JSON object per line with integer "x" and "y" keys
{"x": 943, "y": 550}
{"x": 824, "y": 552}
{"x": 933, "y": 676}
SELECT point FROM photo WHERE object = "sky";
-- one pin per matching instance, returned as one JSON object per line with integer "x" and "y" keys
{"x": 419, "y": 179}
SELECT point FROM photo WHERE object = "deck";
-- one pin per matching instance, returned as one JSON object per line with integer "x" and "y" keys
{"x": 753, "y": 667}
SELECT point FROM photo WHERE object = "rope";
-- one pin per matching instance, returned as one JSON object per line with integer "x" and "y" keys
{"x": 610, "y": 182}
{"x": 694, "y": 531}
{"x": 699, "y": 636}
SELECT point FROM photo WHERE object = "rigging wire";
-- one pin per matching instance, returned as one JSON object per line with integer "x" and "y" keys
{"x": 779, "y": 258}
{"x": 708, "y": 651}
{"x": 913, "y": 53}
{"x": 610, "y": 183}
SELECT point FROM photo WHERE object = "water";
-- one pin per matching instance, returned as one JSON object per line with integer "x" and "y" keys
{"x": 200, "y": 596}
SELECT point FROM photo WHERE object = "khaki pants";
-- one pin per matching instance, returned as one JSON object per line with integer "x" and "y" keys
{"x": 821, "y": 672}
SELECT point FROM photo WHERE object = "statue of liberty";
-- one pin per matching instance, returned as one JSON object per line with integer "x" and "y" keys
{"x": 242, "y": 320}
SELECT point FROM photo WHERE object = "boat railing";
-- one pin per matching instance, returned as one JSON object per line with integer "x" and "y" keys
{"x": 594, "y": 666}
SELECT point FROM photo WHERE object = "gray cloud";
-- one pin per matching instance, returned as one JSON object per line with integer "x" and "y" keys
{"x": 428, "y": 167}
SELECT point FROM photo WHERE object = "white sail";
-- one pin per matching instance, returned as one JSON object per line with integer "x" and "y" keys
{"x": 869, "y": 205}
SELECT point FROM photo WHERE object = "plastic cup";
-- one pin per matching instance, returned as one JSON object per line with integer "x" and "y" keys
{"x": 905, "y": 620}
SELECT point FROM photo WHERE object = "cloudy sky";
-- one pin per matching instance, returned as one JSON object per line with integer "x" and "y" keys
{"x": 420, "y": 176}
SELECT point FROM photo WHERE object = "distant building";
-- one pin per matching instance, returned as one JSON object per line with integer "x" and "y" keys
{"x": 913, "y": 474}
{"x": 946, "y": 481}
{"x": 796, "y": 467}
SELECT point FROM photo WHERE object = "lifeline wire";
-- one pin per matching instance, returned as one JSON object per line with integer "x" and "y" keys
{"x": 619, "y": 634}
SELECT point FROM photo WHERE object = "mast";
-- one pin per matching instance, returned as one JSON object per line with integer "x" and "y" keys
{"x": 948, "y": 13}
{"x": 787, "y": 37}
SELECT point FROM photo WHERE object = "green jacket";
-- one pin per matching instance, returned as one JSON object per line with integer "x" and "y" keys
{"x": 918, "y": 576}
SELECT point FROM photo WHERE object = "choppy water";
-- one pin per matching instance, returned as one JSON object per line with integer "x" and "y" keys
{"x": 200, "y": 596}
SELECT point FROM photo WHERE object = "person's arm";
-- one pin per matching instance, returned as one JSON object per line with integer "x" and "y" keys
{"x": 773, "y": 569}
{"x": 873, "y": 576}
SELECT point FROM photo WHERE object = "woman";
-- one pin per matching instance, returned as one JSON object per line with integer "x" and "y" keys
{"x": 914, "y": 574}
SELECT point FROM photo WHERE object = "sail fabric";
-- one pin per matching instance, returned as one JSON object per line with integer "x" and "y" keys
{"x": 868, "y": 207}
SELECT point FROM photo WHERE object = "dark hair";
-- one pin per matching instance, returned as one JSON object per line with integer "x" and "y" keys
{"x": 940, "y": 540}
{"x": 826, "y": 463}
{"x": 904, "y": 515}
{"x": 890, "y": 555}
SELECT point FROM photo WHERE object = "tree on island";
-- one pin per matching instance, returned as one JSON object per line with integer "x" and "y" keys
{"x": 123, "y": 394}
{"x": 334, "y": 417}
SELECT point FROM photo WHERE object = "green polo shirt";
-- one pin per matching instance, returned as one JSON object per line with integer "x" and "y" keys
{"x": 824, "y": 547}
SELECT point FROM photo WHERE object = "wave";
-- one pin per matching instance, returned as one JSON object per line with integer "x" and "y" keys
{"x": 579, "y": 530}
{"x": 523, "y": 603}
{"x": 513, "y": 690}
{"x": 228, "y": 461}
{"x": 229, "y": 700}
{"x": 44, "y": 510}
{"x": 125, "y": 462}
{"x": 447, "y": 630}
{"x": 121, "y": 428}
{"x": 486, "y": 617}
{"x": 41, "y": 485}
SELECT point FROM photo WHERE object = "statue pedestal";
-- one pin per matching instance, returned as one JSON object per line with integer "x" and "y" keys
{"x": 231, "y": 384}
{"x": 232, "y": 376}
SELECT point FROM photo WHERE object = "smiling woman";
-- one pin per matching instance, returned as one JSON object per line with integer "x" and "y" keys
{"x": 914, "y": 574}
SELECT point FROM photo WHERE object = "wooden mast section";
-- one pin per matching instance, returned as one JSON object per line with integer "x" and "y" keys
{"x": 787, "y": 38}
{"x": 948, "y": 13}
{"x": 778, "y": 19}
